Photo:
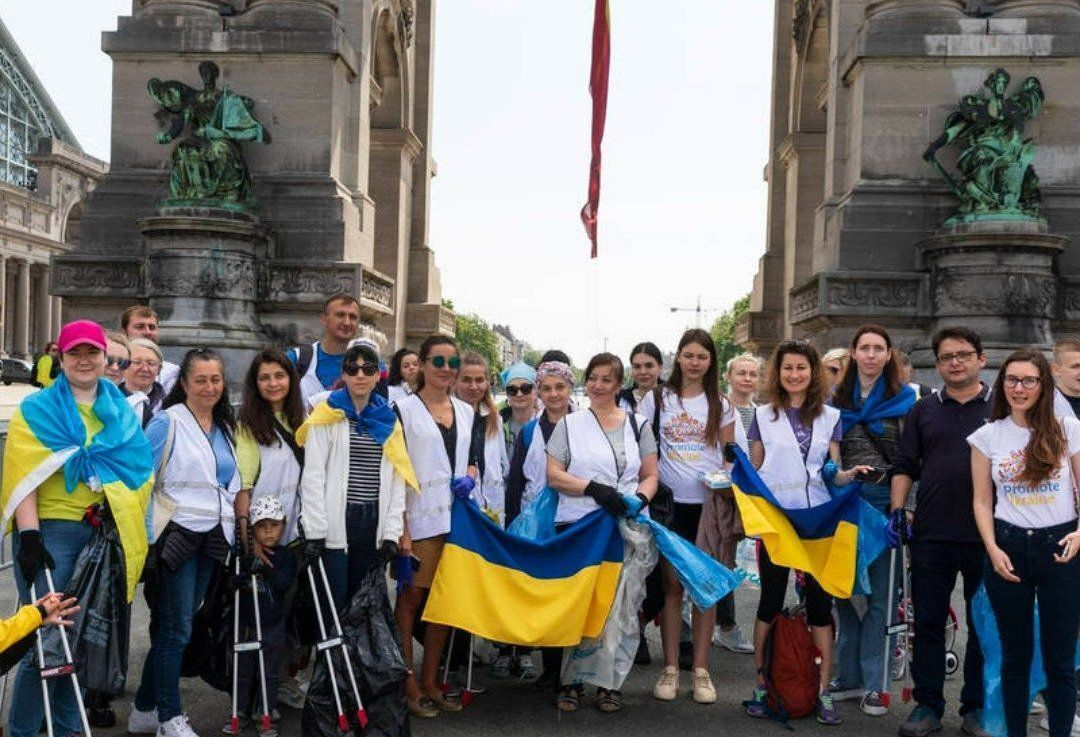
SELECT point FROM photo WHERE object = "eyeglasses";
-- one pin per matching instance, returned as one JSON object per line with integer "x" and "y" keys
{"x": 1028, "y": 382}
{"x": 833, "y": 370}
{"x": 143, "y": 363}
{"x": 523, "y": 389}
{"x": 352, "y": 369}
{"x": 961, "y": 356}
{"x": 120, "y": 363}
{"x": 439, "y": 362}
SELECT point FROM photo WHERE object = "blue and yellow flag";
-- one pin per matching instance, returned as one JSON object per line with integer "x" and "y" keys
{"x": 47, "y": 435}
{"x": 832, "y": 541}
{"x": 511, "y": 589}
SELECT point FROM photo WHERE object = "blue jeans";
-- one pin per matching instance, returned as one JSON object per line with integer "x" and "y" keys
{"x": 347, "y": 568}
{"x": 860, "y": 647}
{"x": 177, "y": 596}
{"x": 64, "y": 540}
{"x": 1057, "y": 588}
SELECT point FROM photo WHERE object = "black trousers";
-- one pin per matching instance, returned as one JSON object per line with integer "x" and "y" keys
{"x": 934, "y": 567}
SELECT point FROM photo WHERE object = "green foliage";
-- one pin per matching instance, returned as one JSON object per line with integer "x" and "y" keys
{"x": 532, "y": 357}
{"x": 723, "y": 333}
{"x": 472, "y": 333}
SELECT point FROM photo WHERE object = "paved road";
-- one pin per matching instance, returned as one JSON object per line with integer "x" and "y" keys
{"x": 517, "y": 709}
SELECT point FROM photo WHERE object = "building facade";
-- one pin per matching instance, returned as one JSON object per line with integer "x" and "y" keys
{"x": 344, "y": 91}
{"x": 511, "y": 350}
{"x": 44, "y": 179}
{"x": 856, "y": 216}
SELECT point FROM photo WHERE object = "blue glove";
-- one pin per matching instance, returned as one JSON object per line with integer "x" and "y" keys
{"x": 462, "y": 486}
{"x": 403, "y": 572}
{"x": 634, "y": 505}
{"x": 898, "y": 529}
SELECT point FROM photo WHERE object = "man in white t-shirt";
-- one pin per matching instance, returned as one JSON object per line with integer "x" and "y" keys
{"x": 1066, "y": 368}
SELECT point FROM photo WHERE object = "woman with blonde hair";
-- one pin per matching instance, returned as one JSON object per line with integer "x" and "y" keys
{"x": 474, "y": 388}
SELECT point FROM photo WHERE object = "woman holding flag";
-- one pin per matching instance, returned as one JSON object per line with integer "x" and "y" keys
{"x": 69, "y": 447}
{"x": 603, "y": 458}
{"x": 792, "y": 437}
{"x": 873, "y": 400}
{"x": 439, "y": 434}
{"x": 696, "y": 422}
{"x": 192, "y": 440}
{"x": 1024, "y": 465}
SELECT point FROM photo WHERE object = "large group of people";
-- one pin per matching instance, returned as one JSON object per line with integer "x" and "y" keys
{"x": 334, "y": 457}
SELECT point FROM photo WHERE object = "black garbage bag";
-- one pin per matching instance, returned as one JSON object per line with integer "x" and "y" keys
{"x": 209, "y": 651}
{"x": 101, "y": 629}
{"x": 372, "y": 642}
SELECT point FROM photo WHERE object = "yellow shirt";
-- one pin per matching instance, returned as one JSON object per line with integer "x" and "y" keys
{"x": 53, "y": 501}
{"x": 248, "y": 458}
{"x": 44, "y": 372}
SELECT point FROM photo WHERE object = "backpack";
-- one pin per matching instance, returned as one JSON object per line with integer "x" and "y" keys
{"x": 791, "y": 672}
{"x": 304, "y": 355}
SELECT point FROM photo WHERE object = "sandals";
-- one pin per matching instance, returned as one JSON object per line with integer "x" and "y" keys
{"x": 608, "y": 701}
{"x": 569, "y": 698}
{"x": 423, "y": 708}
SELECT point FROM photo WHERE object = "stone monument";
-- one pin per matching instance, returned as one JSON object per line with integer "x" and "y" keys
{"x": 265, "y": 155}
{"x": 862, "y": 228}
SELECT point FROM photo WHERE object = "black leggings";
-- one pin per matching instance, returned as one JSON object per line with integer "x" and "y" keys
{"x": 774, "y": 583}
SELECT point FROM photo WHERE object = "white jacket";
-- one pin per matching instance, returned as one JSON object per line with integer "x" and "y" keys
{"x": 324, "y": 483}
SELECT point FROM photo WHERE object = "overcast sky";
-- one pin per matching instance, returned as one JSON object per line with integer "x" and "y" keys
{"x": 682, "y": 209}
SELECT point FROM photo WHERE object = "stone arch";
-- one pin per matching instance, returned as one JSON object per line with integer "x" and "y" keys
{"x": 72, "y": 231}
{"x": 390, "y": 102}
{"x": 811, "y": 36}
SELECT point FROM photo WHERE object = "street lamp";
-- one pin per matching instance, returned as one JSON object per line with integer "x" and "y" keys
{"x": 698, "y": 310}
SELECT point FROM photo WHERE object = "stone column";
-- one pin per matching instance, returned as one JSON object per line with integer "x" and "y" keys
{"x": 177, "y": 7}
{"x": 20, "y": 347}
{"x": 4, "y": 332}
{"x": 42, "y": 309}
{"x": 1036, "y": 8}
{"x": 895, "y": 8}
{"x": 57, "y": 317}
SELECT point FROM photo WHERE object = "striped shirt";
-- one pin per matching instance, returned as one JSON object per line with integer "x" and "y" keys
{"x": 365, "y": 458}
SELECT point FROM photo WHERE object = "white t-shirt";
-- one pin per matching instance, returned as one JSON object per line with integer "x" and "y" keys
{"x": 1053, "y": 502}
{"x": 684, "y": 455}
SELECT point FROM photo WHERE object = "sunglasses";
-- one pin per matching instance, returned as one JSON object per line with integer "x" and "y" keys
{"x": 439, "y": 362}
{"x": 352, "y": 369}
{"x": 120, "y": 363}
{"x": 523, "y": 389}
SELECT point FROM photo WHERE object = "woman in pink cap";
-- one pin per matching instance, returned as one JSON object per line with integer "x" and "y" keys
{"x": 71, "y": 447}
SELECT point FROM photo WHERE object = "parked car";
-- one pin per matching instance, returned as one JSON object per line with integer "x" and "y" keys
{"x": 14, "y": 370}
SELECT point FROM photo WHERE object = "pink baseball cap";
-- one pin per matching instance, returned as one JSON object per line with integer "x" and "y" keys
{"x": 79, "y": 332}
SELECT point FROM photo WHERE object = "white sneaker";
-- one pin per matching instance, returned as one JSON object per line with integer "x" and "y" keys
{"x": 1037, "y": 707}
{"x": 733, "y": 640}
{"x": 667, "y": 688}
{"x": 176, "y": 727}
{"x": 1044, "y": 723}
{"x": 142, "y": 722}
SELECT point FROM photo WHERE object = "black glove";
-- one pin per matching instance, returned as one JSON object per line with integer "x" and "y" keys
{"x": 729, "y": 452}
{"x": 33, "y": 556}
{"x": 313, "y": 550}
{"x": 387, "y": 551}
{"x": 607, "y": 497}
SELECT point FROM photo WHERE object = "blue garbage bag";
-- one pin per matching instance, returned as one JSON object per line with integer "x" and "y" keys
{"x": 537, "y": 521}
{"x": 704, "y": 578}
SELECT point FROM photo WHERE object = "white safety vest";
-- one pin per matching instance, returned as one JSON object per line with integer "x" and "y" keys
{"x": 309, "y": 382}
{"x": 189, "y": 479}
{"x": 491, "y": 488}
{"x": 279, "y": 477}
{"x": 592, "y": 458}
{"x": 796, "y": 485}
{"x": 427, "y": 514}
{"x": 534, "y": 467}
{"x": 395, "y": 392}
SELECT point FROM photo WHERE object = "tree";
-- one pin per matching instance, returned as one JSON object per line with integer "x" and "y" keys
{"x": 472, "y": 333}
{"x": 723, "y": 332}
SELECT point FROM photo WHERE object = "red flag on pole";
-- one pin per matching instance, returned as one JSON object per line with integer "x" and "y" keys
{"x": 598, "y": 88}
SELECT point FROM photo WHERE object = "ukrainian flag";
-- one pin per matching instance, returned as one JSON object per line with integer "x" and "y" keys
{"x": 831, "y": 541}
{"x": 524, "y": 592}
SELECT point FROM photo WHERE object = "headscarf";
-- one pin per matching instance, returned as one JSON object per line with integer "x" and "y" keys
{"x": 519, "y": 370}
{"x": 555, "y": 368}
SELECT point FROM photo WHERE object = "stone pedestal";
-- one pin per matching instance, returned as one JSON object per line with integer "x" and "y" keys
{"x": 203, "y": 267}
{"x": 996, "y": 277}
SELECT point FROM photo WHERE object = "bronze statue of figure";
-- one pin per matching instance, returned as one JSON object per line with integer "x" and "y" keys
{"x": 996, "y": 178}
{"x": 207, "y": 164}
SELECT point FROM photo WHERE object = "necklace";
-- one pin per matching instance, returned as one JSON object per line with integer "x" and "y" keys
{"x": 442, "y": 414}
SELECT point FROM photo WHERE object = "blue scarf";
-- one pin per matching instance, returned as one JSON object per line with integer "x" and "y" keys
{"x": 376, "y": 419}
{"x": 119, "y": 452}
{"x": 875, "y": 407}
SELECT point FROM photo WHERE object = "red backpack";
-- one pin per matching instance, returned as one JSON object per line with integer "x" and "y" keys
{"x": 792, "y": 675}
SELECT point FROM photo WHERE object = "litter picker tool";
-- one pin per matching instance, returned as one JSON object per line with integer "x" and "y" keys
{"x": 67, "y": 668}
{"x": 327, "y": 644}
{"x": 255, "y": 646}
{"x": 898, "y": 627}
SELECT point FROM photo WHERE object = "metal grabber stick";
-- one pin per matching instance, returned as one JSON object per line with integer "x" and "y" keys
{"x": 234, "y": 720}
{"x": 897, "y": 627}
{"x": 361, "y": 715}
{"x": 67, "y": 669}
{"x": 905, "y": 583}
{"x": 324, "y": 645}
{"x": 467, "y": 697}
{"x": 445, "y": 686}
{"x": 259, "y": 650}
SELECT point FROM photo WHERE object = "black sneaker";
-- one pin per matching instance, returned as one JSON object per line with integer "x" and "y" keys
{"x": 920, "y": 722}
{"x": 642, "y": 657}
{"x": 103, "y": 717}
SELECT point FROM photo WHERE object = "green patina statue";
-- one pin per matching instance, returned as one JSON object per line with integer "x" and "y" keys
{"x": 207, "y": 165}
{"x": 996, "y": 179}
